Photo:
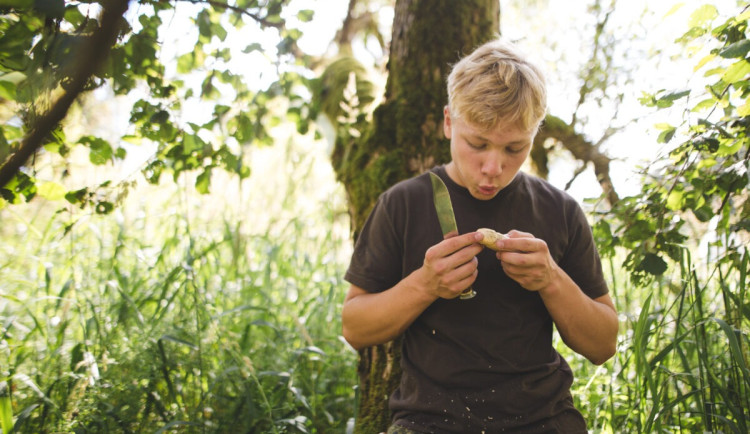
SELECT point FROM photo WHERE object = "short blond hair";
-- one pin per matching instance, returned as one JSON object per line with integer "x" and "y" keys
{"x": 494, "y": 84}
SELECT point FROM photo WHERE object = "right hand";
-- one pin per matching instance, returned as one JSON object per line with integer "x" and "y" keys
{"x": 450, "y": 267}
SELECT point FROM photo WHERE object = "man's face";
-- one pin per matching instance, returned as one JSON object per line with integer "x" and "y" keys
{"x": 485, "y": 162}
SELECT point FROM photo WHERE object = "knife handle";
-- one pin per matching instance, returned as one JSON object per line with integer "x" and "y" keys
{"x": 467, "y": 294}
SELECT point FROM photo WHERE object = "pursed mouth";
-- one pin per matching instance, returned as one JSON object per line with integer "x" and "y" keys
{"x": 485, "y": 190}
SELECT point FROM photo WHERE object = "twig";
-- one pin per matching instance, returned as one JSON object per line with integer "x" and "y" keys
{"x": 90, "y": 57}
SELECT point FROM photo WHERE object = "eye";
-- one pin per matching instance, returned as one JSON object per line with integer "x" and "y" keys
{"x": 477, "y": 146}
{"x": 515, "y": 150}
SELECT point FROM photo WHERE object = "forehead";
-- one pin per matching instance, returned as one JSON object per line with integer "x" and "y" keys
{"x": 502, "y": 132}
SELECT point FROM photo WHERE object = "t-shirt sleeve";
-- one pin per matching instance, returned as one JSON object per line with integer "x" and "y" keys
{"x": 581, "y": 260}
{"x": 377, "y": 257}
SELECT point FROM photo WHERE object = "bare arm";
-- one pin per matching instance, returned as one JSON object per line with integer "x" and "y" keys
{"x": 588, "y": 326}
{"x": 375, "y": 318}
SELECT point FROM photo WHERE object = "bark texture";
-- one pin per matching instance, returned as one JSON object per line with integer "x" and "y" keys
{"x": 404, "y": 139}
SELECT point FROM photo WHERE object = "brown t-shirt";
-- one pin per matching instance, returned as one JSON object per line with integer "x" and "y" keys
{"x": 487, "y": 363}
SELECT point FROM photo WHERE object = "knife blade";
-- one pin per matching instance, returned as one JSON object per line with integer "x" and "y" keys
{"x": 447, "y": 219}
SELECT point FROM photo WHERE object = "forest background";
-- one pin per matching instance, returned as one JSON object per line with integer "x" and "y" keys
{"x": 174, "y": 240}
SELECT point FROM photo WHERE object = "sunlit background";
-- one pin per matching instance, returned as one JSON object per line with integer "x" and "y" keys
{"x": 224, "y": 304}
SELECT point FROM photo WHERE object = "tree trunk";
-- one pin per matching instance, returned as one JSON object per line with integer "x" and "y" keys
{"x": 404, "y": 139}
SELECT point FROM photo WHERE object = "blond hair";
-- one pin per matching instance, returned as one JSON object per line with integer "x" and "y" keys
{"x": 497, "y": 84}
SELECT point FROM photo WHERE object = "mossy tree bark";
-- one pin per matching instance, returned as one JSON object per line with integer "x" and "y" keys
{"x": 405, "y": 138}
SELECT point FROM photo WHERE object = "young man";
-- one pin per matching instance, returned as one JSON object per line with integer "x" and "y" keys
{"x": 484, "y": 364}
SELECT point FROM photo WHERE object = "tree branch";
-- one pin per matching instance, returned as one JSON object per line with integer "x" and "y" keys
{"x": 352, "y": 25}
{"x": 585, "y": 88}
{"x": 92, "y": 54}
{"x": 582, "y": 149}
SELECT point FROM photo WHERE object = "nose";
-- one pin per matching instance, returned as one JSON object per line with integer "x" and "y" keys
{"x": 492, "y": 166}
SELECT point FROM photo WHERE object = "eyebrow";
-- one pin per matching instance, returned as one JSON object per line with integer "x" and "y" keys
{"x": 486, "y": 140}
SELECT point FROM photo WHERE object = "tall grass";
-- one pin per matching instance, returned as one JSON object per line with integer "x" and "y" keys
{"x": 682, "y": 360}
{"x": 178, "y": 314}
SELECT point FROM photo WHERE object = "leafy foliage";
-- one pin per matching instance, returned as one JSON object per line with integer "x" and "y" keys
{"x": 683, "y": 360}
{"x": 704, "y": 179}
{"x": 41, "y": 47}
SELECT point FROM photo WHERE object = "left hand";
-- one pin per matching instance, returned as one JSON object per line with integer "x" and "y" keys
{"x": 526, "y": 260}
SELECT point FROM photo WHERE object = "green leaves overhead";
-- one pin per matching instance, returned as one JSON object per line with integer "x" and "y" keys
{"x": 40, "y": 40}
{"x": 705, "y": 177}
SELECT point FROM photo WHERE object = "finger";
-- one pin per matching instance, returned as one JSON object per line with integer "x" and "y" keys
{"x": 458, "y": 271}
{"x": 456, "y": 242}
{"x": 519, "y": 260}
{"x": 522, "y": 244}
{"x": 464, "y": 281}
{"x": 519, "y": 234}
{"x": 446, "y": 265}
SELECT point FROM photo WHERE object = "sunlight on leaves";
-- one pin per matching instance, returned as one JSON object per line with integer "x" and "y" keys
{"x": 51, "y": 190}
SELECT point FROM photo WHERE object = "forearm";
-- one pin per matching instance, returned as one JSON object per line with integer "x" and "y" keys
{"x": 375, "y": 318}
{"x": 587, "y": 326}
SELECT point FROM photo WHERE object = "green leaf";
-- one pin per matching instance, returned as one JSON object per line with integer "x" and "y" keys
{"x": 675, "y": 200}
{"x": 652, "y": 264}
{"x": 51, "y": 191}
{"x": 736, "y": 72}
{"x": 743, "y": 16}
{"x": 6, "y": 409}
{"x": 191, "y": 143}
{"x": 104, "y": 207}
{"x": 704, "y": 213}
{"x": 186, "y": 63}
{"x": 7, "y": 90}
{"x": 729, "y": 147}
{"x": 674, "y": 9}
{"x": 305, "y": 15}
{"x": 77, "y": 197}
{"x": 101, "y": 150}
{"x": 669, "y": 99}
{"x": 204, "y": 23}
{"x": 666, "y": 135}
{"x": 203, "y": 182}
{"x": 734, "y": 344}
{"x": 702, "y": 15}
{"x": 738, "y": 49}
{"x": 744, "y": 109}
{"x": 703, "y": 61}
{"x": 705, "y": 104}
{"x": 253, "y": 47}
{"x": 179, "y": 341}
{"x": 219, "y": 31}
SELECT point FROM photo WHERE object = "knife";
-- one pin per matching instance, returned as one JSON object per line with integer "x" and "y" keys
{"x": 447, "y": 219}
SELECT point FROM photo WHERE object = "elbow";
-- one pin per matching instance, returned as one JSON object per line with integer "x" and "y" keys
{"x": 351, "y": 338}
{"x": 603, "y": 356}
{"x": 609, "y": 348}
{"x": 605, "y": 351}
{"x": 349, "y": 330}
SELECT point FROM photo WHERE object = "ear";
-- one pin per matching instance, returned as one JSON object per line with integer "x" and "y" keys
{"x": 447, "y": 122}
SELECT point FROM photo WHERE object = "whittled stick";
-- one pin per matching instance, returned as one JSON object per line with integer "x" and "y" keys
{"x": 490, "y": 237}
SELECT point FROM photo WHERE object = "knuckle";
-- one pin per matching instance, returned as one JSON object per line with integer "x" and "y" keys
{"x": 439, "y": 268}
{"x": 430, "y": 254}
